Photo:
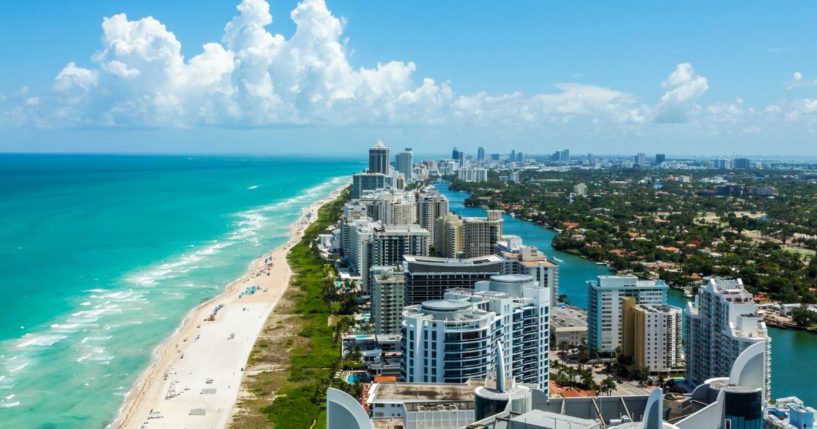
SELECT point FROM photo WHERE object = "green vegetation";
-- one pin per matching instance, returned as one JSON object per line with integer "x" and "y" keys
{"x": 656, "y": 224}
{"x": 295, "y": 358}
{"x": 804, "y": 317}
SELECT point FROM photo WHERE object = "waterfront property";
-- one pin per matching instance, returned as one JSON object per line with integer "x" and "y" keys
{"x": 455, "y": 339}
{"x": 604, "y": 309}
{"x": 720, "y": 325}
{"x": 652, "y": 336}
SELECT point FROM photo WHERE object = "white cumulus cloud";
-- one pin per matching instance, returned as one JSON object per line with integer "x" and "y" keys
{"x": 683, "y": 87}
{"x": 252, "y": 77}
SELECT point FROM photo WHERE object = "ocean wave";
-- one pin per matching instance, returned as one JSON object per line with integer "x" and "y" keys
{"x": 4, "y": 404}
{"x": 39, "y": 340}
{"x": 16, "y": 364}
{"x": 65, "y": 327}
{"x": 95, "y": 339}
{"x": 6, "y": 382}
{"x": 182, "y": 265}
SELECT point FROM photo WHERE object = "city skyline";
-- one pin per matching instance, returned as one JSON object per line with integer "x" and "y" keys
{"x": 293, "y": 77}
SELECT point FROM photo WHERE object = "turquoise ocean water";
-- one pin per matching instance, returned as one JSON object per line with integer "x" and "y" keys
{"x": 102, "y": 256}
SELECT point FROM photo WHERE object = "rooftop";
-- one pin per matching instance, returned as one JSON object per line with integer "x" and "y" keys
{"x": 422, "y": 392}
{"x": 445, "y": 305}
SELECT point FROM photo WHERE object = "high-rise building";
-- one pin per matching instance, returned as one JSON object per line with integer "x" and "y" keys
{"x": 640, "y": 159}
{"x": 458, "y": 156}
{"x": 495, "y": 157}
{"x": 388, "y": 290}
{"x": 660, "y": 158}
{"x": 379, "y": 158}
{"x": 404, "y": 161}
{"x": 431, "y": 205}
{"x": 720, "y": 324}
{"x": 455, "y": 339}
{"x": 481, "y": 154}
{"x": 522, "y": 312}
{"x": 530, "y": 261}
{"x": 742, "y": 163}
{"x": 480, "y": 235}
{"x": 389, "y": 206}
{"x": 428, "y": 277}
{"x": 388, "y": 244}
{"x": 604, "y": 309}
{"x": 428, "y": 329}
{"x": 564, "y": 155}
{"x": 652, "y": 336}
{"x": 357, "y": 238}
{"x": 362, "y": 182}
{"x": 448, "y": 231}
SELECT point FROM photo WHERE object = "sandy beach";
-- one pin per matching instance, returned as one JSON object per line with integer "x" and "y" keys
{"x": 195, "y": 376}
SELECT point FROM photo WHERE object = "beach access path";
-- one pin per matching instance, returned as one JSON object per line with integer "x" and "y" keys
{"x": 195, "y": 376}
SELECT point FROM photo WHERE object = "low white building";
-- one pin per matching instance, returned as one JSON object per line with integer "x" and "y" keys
{"x": 473, "y": 174}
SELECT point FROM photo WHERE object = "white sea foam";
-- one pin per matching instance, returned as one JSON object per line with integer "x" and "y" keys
{"x": 39, "y": 340}
{"x": 6, "y": 383}
{"x": 16, "y": 364}
{"x": 65, "y": 327}
{"x": 95, "y": 339}
{"x": 4, "y": 404}
{"x": 252, "y": 187}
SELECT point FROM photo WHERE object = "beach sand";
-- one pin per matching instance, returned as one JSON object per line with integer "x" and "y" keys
{"x": 195, "y": 376}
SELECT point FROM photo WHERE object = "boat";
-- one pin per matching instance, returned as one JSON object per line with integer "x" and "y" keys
{"x": 557, "y": 259}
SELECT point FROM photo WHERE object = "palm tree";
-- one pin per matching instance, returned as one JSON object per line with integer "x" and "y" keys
{"x": 608, "y": 385}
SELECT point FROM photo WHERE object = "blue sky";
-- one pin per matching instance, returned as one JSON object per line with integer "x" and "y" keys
{"x": 685, "y": 78}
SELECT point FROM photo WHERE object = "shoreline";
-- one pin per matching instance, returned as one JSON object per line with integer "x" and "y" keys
{"x": 195, "y": 374}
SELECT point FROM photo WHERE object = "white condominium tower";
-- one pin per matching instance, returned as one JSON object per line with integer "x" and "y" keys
{"x": 720, "y": 324}
{"x": 604, "y": 307}
{"x": 454, "y": 339}
{"x": 388, "y": 243}
{"x": 389, "y": 206}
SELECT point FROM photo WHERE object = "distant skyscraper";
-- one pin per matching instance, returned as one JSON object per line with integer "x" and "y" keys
{"x": 457, "y": 156}
{"x": 481, "y": 154}
{"x": 379, "y": 158}
{"x": 660, "y": 158}
{"x": 564, "y": 155}
{"x": 512, "y": 157}
{"x": 640, "y": 159}
{"x": 404, "y": 161}
{"x": 742, "y": 163}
